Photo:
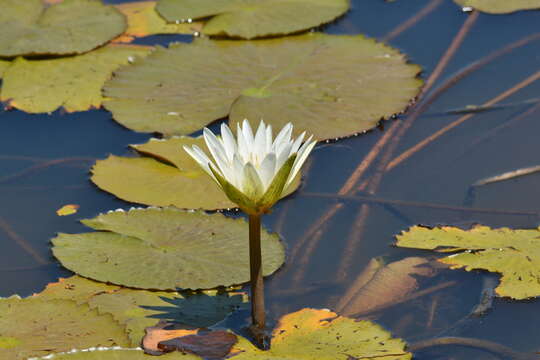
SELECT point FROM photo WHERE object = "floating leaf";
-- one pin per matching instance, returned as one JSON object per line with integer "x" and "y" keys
{"x": 33, "y": 327}
{"x": 75, "y": 288}
{"x": 116, "y": 354}
{"x": 4, "y": 64}
{"x": 143, "y": 20}
{"x": 214, "y": 344}
{"x": 68, "y": 209}
{"x": 29, "y": 27}
{"x": 499, "y": 6}
{"x": 73, "y": 83}
{"x": 172, "y": 178}
{"x": 254, "y": 18}
{"x": 138, "y": 309}
{"x": 162, "y": 332}
{"x": 323, "y": 335}
{"x": 330, "y": 86}
{"x": 513, "y": 253}
{"x": 381, "y": 285}
{"x": 165, "y": 249}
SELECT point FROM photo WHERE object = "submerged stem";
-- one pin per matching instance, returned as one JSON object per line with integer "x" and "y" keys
{"x": 257, "y": 285}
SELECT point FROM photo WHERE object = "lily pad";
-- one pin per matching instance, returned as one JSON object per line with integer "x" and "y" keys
{"x": 169, "y": 177}
{"x": 254, "y": 18}
{"x": 76, "y": 288}
{"x": 34, "y": 327}
{"x": 143, "y": 20}
{"x": 73, "y": 83}
{"x": 4, "y": 64}
{"x": 323, "y": 335}
{"x": 499, "y": 6}
{"x": 29, "y": 27}
{"x": 139, "y": 309}
{"x": 116, "y": 354}
{"x": 515, "y": 254}
{"x": 165, "y": 249}
{"x": 328, "y": 85}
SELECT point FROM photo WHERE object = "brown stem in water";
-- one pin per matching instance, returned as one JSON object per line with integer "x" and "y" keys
{"x": 376, "y": 200}
{"x": 509, "y": 123}
{"x": 422, "y": 144}
{"x": 43, "y": 165}
{"x": 22, "y": 242}
{"x": 410, "y": 22}
{"x": 350, "y": 184}
{"x": 257, "y": 284}
{"x": 492, "y": 347}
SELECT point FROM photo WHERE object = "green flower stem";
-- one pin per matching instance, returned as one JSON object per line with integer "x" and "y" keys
{"x": 255, "y": 260}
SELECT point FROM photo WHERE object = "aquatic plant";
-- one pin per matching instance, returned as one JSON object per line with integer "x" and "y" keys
{"x": 254, "y": 172}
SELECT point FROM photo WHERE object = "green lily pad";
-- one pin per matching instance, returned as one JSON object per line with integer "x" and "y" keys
{"x": 73, "y": 83}
{"x": 30, "y": 27}
{"x": 323, "y": 335}
{"x": 143, "y": 20}
{"x": 499, "y": 6}
{"x": 117, "y": 354}
{"x": 4, "y": 64}
{"x": 165, "y": 249}
{"x": 169, "y": 176}
{"x": 139, "y": 309}
{"x": 515, "y": 254}
{"x": 34, "y": 327}
{"x": 254, "y": 18}
{"x": 328, "y": 85}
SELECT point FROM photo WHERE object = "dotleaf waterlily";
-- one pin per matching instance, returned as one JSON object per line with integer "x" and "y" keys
{"x": 254, "y": 171}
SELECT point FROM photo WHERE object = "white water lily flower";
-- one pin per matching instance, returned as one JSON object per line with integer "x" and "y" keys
{"x": 253, "y": 171}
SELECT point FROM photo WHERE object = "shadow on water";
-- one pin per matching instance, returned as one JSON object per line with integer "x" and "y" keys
{"x": 431, "y": 187}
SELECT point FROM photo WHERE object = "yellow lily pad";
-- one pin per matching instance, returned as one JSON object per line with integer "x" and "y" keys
{"x": 139, "y": 309}
{"x": 68, "y": 209}
{"x": 254, "y": 18}
{"x": 143, "y": 20}
{"x": 30, "y": 27}
{"x": 4, "y": 64}
{"x": 499, "y": 6}
{"x": 73, "y": 83}
{"x": 35, "y": 327}
{"x": 311, "y": 334}
{"x": 117, "y": 354}
{"x": 297, "y": 79}
{"x": 515, "y": 254}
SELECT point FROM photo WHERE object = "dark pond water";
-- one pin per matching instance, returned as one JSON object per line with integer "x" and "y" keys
{"x": 439, "y": 174}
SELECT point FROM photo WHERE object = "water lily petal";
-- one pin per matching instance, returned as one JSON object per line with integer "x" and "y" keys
{"x": 275, "y": 190}
{"x": 297, "y": 143}
{"x": 200, "y": 157}
{"x": 248, "y": 135}
{"x": 218, "y": 152}
{"x": 228, "y": 141}
{"x": 267, "y": 170}
{"x": 259, "y": 145}
{"x": 283, "y": 155}
{"x": 235, "y": 195}
{"x": 282, "y": 138}
{"x": 268, "y": 139}
{"x": 301, "y": 158}
{"x": 252, "y": 185}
